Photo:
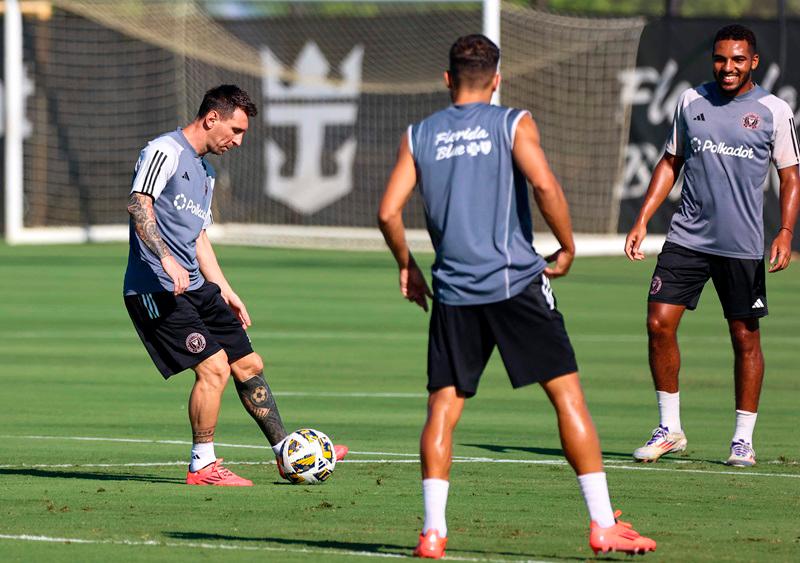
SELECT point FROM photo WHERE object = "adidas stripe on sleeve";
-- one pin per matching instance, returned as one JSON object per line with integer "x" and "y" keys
{"x": 675, "y": 140}
{"x": 677, "y": 134}
{"x": 157, "y": 163}
{"x": 785, "y": 149}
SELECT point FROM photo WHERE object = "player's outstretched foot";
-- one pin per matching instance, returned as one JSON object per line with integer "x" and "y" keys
{"x": 660, "y": 443}
{"x": 619, "y": 537}
{"x": 742, "y": 454}
{"x": 216, "y": 474}
{"x": 431, "y": 545}
{"x": 340, "y": 451}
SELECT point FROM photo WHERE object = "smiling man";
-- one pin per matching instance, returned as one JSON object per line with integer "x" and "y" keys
{"x": 724, "y": 135}
{"x": 185, "y": 311}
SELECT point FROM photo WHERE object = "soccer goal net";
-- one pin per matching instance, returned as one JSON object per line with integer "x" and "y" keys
{"x": 336, "y": 84}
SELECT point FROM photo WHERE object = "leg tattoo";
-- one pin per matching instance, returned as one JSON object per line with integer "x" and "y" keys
{"x": 259, "y": 402}
{"x": 203, "y": 435}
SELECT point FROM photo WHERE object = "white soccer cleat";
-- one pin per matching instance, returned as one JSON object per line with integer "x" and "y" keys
{"x": 660, "y": 443}
{"x": 742, "y": 454}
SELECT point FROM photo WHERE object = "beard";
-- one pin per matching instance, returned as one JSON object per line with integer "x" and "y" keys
{"x": 744, "y": 80}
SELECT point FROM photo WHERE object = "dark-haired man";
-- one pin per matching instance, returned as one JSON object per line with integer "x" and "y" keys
{"x": 490, "y": 287}
{"x": 724, "y": 135}
{"x": 184, "y": 310}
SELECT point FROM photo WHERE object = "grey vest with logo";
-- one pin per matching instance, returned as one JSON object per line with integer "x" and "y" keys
{"x": 476, "y": 203}
{"x": 182, "y": 186}
{"x": 727, "y": 144}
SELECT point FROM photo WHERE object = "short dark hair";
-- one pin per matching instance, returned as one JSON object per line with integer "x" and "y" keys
{"x": 473, "y": 61}
{"x": 737, "y": 33}
{"x": 225, "y": 99}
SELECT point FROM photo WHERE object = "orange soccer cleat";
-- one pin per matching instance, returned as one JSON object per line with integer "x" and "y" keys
{"x": 619, "y": 537}
{"x": 216, "y": 474}
{"x": 340, "y": 451}
{"x": 431, "y": 545}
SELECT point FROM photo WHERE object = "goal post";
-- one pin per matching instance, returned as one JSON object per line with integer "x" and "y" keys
{"x": 336, "y": 85}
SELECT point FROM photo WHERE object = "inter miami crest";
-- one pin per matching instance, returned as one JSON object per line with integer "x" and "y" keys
{"x": 655, "y": 285}
{"x": 195, "y": 343}
{"x": 750, "y": 121}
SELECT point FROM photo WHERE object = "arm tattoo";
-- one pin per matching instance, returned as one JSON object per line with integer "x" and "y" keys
{"x": 259, "y": 402}
{"x": 140, "y": 207}
{"x": 202, "y": 435}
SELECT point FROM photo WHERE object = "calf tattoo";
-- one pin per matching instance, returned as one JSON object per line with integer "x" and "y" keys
{"x": 203, "y": 435}
{"x": 259, "y": 402}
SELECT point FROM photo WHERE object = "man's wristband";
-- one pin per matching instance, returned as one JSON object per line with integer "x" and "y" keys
{"x": 786, "y": 229}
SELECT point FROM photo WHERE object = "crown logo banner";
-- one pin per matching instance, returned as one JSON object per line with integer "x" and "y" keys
{"x": 310, "y": 102}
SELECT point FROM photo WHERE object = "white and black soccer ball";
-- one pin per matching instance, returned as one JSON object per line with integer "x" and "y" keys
{"x": 307, "y": 457}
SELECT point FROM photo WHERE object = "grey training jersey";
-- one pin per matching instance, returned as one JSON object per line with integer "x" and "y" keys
{"x": 727, "y": 144}
{"x": 476, "y": 203}
{"x": 182, "y": 185}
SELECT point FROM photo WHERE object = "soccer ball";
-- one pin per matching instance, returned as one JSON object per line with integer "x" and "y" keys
{"x": 307, "y": 457}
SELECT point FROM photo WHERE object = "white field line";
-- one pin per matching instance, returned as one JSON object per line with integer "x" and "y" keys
{"x": 354, "y": 394}
{"x": 741, "y": 473}
{"x": 411, "y": 458}
{"x": 235, "y": 547}
{"x": 414, "y": 456}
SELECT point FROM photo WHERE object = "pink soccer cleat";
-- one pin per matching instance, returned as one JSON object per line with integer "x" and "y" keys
{"x": 340, "y": 451}
{"x": 619, "y": 537}
{"x": 431, "y": 545}
{"x": 216, "y": 474}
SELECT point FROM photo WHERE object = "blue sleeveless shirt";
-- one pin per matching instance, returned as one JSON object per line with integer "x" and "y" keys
{"x": 476, "y": 203}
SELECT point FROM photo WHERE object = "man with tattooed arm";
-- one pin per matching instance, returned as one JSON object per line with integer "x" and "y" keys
{"x": 184, "y": 310}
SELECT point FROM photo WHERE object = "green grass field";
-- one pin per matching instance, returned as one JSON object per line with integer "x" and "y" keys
{"x": 93, "y": 444}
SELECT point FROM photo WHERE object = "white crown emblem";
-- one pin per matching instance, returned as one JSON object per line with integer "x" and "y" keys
{"x": 307, "y": 100}
{"x": 310, "y": 80}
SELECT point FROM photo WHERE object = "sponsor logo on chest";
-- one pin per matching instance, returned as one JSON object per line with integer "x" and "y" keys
{"x": 721, "y": 148}
{"x": 182, "y": 203}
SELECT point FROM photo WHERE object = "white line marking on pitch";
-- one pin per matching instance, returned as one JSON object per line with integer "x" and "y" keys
{"x": 248, "y": 446}
{"x": 743, "y": 473}
{"x": 234, "y": 547}
{"x": 355, "y": 395}
{"x": 609, "y": 463}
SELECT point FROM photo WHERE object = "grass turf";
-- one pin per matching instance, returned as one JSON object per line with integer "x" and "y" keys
{"x": 346, "y": 354}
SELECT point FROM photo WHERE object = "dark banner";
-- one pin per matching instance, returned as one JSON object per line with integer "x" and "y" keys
{"x": 675, "y": 54}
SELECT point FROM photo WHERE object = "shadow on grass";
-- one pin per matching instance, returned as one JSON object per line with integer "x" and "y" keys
{"x": 91, "y": 475}
{"x": 385, "y": 549}
{"x": 627, "y": 456}
{"x": 541, "y": 451}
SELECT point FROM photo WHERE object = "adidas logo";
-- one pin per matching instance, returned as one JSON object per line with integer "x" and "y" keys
{"x": 185, "y": 176}
{"x": 700, "y": 117}
{"x": 759, "y": 304}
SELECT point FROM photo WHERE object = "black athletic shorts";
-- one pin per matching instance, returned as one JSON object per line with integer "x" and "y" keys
{"x": 181, "y": 331}
{"x": 681, "y": 273}
{"x": 527, "y": 329}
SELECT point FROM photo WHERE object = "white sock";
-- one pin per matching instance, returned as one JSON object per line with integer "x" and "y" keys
{"x": 669, "y": 410}
{"x": 745, "y": 424}
{"x": 434, "y": 495}
{"x": 277, "y": 447}
{"x": 595, "y": 492}
{"x": 202, "y": 455}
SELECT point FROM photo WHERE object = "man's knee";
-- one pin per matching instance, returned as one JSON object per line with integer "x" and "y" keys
{"x": 214, "y": 370}
{"x": 247, "y": 367}
{"x": 660, "y": 326}
{"x": 565, "y": 392}
{"x": 745, "y": 336}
